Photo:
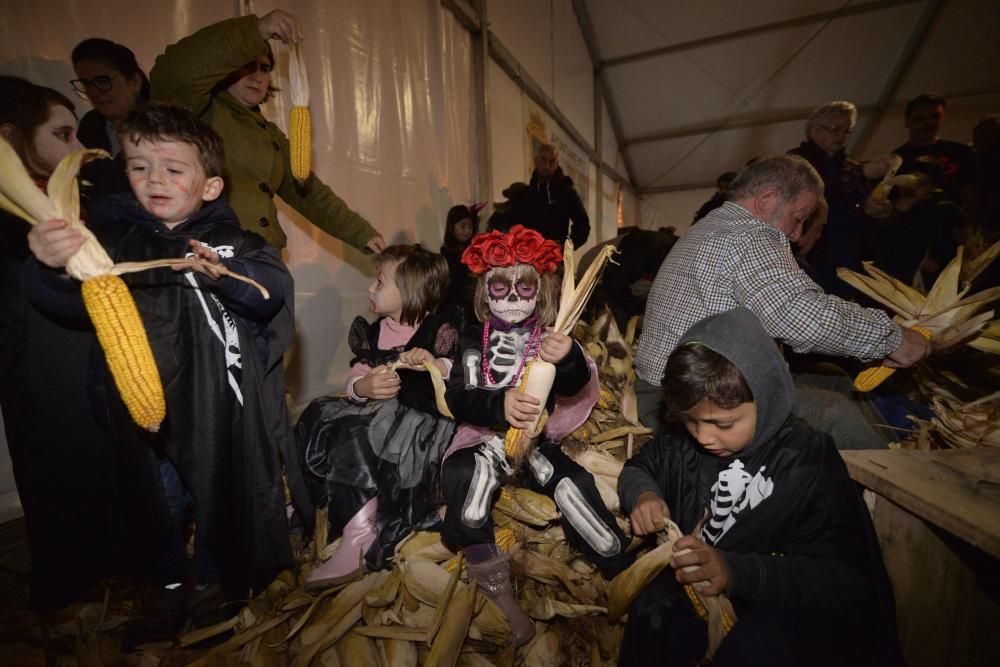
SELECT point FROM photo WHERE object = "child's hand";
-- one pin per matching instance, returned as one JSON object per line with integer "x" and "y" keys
{"x": 703, "y": 567}
{"x": 206, "y": 261}
{"x": 555, "y": 347}
{"x": 520, "y": 409}
{"x": 379, "y": 384}
{"x": 649, "y": 514}
{"x": 53, "y": 242}
{"x": 415, "y": 358}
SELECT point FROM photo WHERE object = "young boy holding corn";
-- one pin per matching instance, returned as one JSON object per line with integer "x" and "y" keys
{"x": 217, "y": 343}
{"x": 771, "y": 517}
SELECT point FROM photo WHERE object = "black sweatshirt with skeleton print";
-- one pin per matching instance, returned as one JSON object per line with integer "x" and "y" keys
{"x": 474, "y": 401}
{"x": 786, "y": 516}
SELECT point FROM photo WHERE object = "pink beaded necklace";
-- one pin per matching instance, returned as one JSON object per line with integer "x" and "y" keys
{"x": 530, "y": 351}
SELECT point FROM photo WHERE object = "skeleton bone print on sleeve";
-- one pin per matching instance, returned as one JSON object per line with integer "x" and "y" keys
{"x": 226, "y": 334}
{"x": 506, "y": 348}
{"x": 733, "y": 491}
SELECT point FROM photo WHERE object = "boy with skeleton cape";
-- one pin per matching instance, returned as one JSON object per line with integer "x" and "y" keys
{"x": 516, "y": 302}
{"x": 770, "y": 516}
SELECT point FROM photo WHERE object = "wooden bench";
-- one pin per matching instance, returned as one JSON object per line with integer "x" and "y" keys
{"x": 937, "y": 515}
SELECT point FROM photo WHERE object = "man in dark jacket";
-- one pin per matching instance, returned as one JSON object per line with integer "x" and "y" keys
{"x": 771, "y": 517}
{"x": 552, "y": 202}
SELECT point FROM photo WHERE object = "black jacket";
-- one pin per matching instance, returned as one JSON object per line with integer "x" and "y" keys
{"x": 795, "y": 532}
{"x": 218, "y": 346}
{"x": 549, "y": 206}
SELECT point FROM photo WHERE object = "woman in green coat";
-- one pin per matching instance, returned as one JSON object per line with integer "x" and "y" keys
{"x": 223, "y": 73}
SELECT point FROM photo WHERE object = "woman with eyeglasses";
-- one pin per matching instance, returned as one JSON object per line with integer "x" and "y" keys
{"x": 61, "y": 457}
{"x": 846, "y": 188}
{"x": 223, "y": 72}
{"x": 112, "y": 81}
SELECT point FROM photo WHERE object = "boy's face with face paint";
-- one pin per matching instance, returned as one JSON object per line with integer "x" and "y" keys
{"x": 512, "y": 292}
{"x": 168, "y": 179}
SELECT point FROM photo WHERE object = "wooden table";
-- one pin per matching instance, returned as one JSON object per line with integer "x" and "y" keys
{"x": 937, "y": 515}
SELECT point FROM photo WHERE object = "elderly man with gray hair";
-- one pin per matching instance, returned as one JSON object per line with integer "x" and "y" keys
{"x": 739, "y": 256}
{"x": 846, "y": 184}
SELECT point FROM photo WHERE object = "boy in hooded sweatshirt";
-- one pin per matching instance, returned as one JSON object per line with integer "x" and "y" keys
{"x": 769, "y": 513}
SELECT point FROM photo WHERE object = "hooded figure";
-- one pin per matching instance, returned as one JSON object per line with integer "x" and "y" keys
{"x": 805, "y": 573}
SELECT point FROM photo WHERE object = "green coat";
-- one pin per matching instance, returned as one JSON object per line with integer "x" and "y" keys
{"x": 257, "y": 153}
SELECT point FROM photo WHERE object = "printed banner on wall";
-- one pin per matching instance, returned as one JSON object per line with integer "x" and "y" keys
{"x": 541, "y": 129}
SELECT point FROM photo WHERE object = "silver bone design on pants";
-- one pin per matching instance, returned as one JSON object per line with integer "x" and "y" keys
{"x": 582, "y": 516}
{"x": 541, "y": 467}
{"x": 490, "y": 459}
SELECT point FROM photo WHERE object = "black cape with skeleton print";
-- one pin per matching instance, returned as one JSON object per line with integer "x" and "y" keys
{"x": 788, "y": 519}
{"x": 218, "y": 347}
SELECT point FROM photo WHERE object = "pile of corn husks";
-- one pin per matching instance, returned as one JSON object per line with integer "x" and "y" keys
{"x": 423, "y": 611}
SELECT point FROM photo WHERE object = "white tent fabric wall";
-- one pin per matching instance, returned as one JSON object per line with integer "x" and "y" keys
{"x": 393, "y": 130}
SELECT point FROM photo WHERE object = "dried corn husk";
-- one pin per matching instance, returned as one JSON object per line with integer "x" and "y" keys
{"x": 945, "y": 311}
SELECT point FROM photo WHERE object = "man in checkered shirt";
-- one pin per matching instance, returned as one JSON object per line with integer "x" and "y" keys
{"x": 739, "y": 255}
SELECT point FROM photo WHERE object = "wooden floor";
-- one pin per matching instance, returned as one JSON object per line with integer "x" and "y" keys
{"x": 15, "y": 566}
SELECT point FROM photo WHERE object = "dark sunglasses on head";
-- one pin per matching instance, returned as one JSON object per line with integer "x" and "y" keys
{"x": 101, "y": 83}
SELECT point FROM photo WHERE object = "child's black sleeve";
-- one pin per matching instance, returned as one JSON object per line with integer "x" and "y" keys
{"x": 53, "y": 292}
{"x": 473, "y": 405}
{"x": 824, "y": 561}
{"x": 642, "y": 471}
{"x": 263, "y": 265}
{"x": 572, "y": 373}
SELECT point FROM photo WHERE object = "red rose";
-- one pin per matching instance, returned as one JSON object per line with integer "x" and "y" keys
{"x": 473, "y": 258}
{"x": 526, "y": 244}
{"x": 498, "y": 253}
{"x": 548, "y": 258}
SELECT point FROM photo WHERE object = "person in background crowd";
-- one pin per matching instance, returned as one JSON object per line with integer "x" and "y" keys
{"x": 956, "y": 162}
{"x": 460, "y": 225}
{"x": 223, "y": 73}
{"x": 61, "y": 457}
{"x": 112, "y": 81}
{"x": 845, "y": 187}
{"x": 921, "y": 235}
{"x": 717, "y": 199}
{"x": 551, "y": 202}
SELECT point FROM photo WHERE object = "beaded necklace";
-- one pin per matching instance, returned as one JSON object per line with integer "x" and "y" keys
{"x": 530, "y": 350}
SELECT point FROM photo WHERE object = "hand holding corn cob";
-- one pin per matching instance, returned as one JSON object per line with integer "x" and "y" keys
{"x": 60, "y": 239}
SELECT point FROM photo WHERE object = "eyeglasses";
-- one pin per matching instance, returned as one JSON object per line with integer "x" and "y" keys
{"x": 845, "y": 131}
{"x": 101, "y": 83}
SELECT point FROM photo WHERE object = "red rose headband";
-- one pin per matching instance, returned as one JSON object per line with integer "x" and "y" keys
{"x": 518, "y": 246}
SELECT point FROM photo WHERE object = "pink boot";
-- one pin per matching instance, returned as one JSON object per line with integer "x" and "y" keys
{"x": 493, "y": 577}
{"x": 348, "y": 561}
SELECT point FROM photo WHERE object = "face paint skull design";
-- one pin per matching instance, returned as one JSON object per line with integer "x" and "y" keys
{"x": 512, "y": 292}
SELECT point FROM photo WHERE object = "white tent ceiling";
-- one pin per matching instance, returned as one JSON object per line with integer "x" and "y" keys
{"x": 698, "y": 88}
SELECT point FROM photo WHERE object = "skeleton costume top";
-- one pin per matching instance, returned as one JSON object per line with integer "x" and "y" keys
{"x": 493, "y": 356}
{"x": 786, "y": 516}
{"x": 218, "y": 347}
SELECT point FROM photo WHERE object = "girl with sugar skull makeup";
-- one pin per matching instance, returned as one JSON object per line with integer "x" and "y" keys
{"x": 516, "y": 303}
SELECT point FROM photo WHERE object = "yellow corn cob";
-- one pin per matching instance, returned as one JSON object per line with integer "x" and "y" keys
{"x": 300, "y": 140}
{"x": 510, "y": 441}
{"x": 505, "y": 538}
{"x": 699, "y": 608}
{"x": 130, "y": 359}
{"x": 872, "y": 377}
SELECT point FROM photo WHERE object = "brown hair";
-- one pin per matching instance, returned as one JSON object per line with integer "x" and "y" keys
{"x": 421, "y": 276}
{"x": 156, "y": 121}
{"x": 547, "y": 305}
{"x": 25, "y": 107}
{"x": 247, "y": 70}
{"x": 694, "y": 373}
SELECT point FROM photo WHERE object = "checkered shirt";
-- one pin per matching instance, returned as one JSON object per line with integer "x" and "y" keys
{"x": 732, "y": 259}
